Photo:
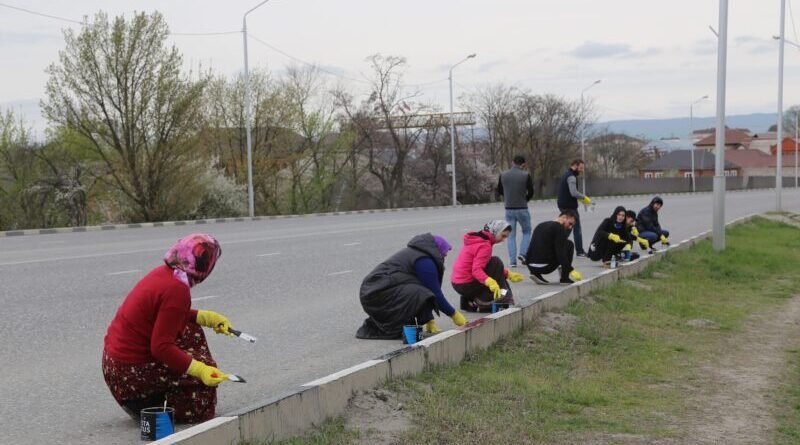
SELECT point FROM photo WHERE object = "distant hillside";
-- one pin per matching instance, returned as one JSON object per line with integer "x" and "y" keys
{"x": 679, "y": 127}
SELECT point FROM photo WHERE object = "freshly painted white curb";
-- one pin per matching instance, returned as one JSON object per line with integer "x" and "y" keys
{"x": 305, "y": 407}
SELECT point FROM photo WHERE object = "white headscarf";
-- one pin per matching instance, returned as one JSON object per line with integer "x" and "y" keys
{"x": 497, "y": 227}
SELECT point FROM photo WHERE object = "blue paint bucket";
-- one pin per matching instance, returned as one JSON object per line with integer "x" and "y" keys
{"x": 411, "y": 334}
{"x": 496, "y": 307}
{"x": 156, "y": 423}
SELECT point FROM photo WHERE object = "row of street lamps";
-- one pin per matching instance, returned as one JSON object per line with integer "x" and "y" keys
{"x": 719, "y": 174}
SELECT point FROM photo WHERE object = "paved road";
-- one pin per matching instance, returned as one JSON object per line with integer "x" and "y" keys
{"x": 293, "y": 283}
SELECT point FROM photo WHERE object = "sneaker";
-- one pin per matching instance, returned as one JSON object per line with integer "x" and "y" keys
{"x": 566, "y": 281}
{"x": 538, "y": 278}
{"x": 512, "y": 265}
{"x": 581, "y": 254}
{"x": 521, "y": 259}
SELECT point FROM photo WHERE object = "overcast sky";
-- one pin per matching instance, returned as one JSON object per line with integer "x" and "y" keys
{"x": 653, "y": 57}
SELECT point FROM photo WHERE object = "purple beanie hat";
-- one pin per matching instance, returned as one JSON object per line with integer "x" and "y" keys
{"x": 442, "y": 244}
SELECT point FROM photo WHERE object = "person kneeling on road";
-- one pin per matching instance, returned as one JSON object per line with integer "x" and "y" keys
{"x": 648, "y": 225}
{"x": 613, "y": 237}
{"x": 406, "y": 289}
{"x": 155, "y": 349}
{"x": 550, "y": 249}
{"x": 480, "y": 277}
{"x": 630, "y": 221}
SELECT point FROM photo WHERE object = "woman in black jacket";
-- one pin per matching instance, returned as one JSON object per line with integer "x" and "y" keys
{"x": 612, "y": 237}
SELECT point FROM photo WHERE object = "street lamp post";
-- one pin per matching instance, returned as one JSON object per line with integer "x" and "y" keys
{"x": 718, "y": 226}
{"x": 453, "y": 130}
{"x": 691, "y": 134}
{"x": 583, "y": 136}
{"x": 796, "y": 121}
{"x": 248, "y": 116}
{"x": 779, "y": 159}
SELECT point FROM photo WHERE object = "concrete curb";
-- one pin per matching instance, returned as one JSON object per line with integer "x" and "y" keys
{"x": 50, "y": 231}
{"x": 311, "y": 404}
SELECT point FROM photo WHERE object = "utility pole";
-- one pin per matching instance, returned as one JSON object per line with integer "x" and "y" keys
{"x": 718, "y": 225}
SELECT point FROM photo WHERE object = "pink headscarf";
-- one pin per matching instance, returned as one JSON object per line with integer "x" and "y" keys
{"x": 193, "y": 257}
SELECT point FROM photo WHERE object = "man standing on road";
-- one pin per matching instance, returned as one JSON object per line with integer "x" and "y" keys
{"x": 550, "y": 250}
{"x": 516, "y": 188}
{"x": 648, "y": 225}
{"x": 568, "y": 197}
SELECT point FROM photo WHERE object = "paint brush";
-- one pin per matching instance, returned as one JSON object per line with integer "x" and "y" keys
{"x": 244, "y": 336}
{"x": 236, "y": 378}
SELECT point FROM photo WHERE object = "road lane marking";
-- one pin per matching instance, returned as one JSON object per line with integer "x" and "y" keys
{"x": 269, "y": 254}
{"x": 123, "y": 272}
{"x": 205, "y": 298}
{"x": 339, "y": 273}
{"x": 350, "y": 244}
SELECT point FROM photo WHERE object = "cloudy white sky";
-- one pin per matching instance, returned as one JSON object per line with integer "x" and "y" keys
{"x": 653, "y": 56}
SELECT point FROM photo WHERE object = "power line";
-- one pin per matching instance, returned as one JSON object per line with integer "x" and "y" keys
{"x": 64, "y": 19}
{"x": 41, "y": 14}
{"x": 299, "y": 60}
{"x": 791, "y": 15}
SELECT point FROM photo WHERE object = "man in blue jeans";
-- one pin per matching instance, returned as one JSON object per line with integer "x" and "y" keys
{"x": 516, "y": 187}
{"x": 648, "y": 225}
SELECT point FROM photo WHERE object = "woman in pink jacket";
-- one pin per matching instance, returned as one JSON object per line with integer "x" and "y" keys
{"x": 477, "y": 275}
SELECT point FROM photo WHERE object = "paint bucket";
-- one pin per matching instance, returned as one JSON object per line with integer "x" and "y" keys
{"x": 411, "y": 334}
{"x": 157, "y": 422}
{"x": 496, "y": 307}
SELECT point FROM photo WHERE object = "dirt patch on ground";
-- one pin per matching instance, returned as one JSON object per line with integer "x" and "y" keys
{"x": 555, "y": 322}
{"x": 637, "y": 285}
{"x": 379, "y": 416}
{"x": 702, "y": 323}
{"x": 731, "y": 401}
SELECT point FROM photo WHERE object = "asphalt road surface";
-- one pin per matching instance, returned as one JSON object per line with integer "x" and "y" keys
{"x": 293, "y": 283}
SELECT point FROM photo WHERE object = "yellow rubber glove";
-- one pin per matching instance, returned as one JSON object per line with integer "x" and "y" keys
{"x": 575, "y": 275}
{"x": 635, "y": 231}
{"x": 644, "y": 243}
{"x": 211, "y": 319}
{"x": 458, "y": 319}
{"x": 627, "y": 248}
{"x": 515, "y": 277}
{"x": 432, "y": 328}
{"x": 209, "y": 375}
{"x": 493, "y": 286}
{"x": 614, "y": 237}
{"x": 586, "y": 200}
{"x": 664, "y": 240}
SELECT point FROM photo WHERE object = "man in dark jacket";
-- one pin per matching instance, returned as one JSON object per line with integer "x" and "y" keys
{"x": 406, "y": 289}
{"x": 568, "y": 197}
{"x": 612, "y": 237}
{"x": 648, "y": 225}
{"x": 516, "y": 187}
{"x": 550, "y": 249}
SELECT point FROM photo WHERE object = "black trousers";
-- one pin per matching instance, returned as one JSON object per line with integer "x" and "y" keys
{"x": 476, "y": 296}
{"x": 604, "y": 250}
{"x": 548, "y": 268}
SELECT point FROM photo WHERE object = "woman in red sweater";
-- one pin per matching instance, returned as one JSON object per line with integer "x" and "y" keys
{"x": 155, "y": 348}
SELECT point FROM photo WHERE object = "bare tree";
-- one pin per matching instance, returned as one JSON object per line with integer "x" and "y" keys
{"x": 118, "y": 85}
{"x": 616, "y": 155}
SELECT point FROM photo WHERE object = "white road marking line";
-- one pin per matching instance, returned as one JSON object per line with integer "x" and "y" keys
{"x": 123, "y": 272}
{"x": 339, "y": 273}
{"x": 350, "y": 244}
{"x": 205, "y": 298}
{"x": 269, "y": 254}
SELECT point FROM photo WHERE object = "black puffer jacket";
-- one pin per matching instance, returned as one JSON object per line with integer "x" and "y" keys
{"x": 392, "y": 294}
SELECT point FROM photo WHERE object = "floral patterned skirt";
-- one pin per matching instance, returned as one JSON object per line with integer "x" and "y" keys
{"x": 138, "y": 386}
